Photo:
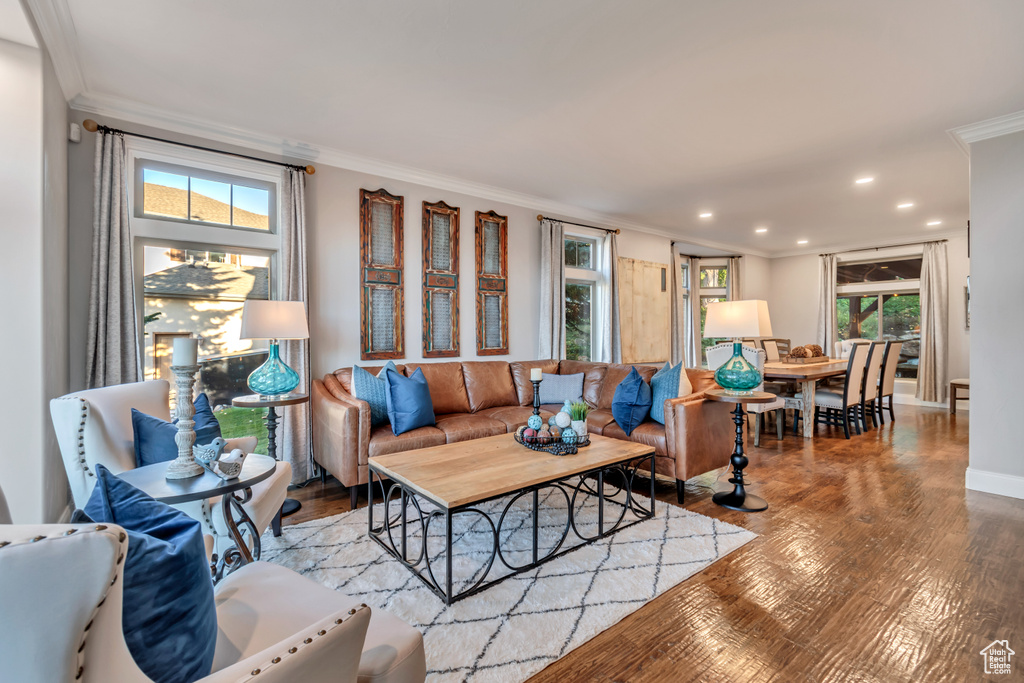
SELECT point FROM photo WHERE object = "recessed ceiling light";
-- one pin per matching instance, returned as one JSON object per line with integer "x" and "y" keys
{"x": 761, "y": 230}
{"x": 905, "y": 205}
{"x": 801, "y": 241}
{"x": 706, "y": 214}
{"x": 861, "y": 181}
{"x": 934, "y": 223}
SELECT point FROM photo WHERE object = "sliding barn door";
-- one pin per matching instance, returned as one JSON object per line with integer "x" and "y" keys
{"x": 644, "y": 308}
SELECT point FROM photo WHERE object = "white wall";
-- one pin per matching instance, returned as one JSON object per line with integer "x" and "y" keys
{"x": 33, "y": 220}
{"x": 997, "y": 290}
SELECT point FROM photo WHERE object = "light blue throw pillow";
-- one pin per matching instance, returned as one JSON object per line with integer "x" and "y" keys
{"x": 632, "y": 402}
{"x": 154, "y": 438}
{"x": 561, "y": 388}
{"x": 669, "y": 382}
{"x": 168, "y": 615}
{"x": 409, "y": 404}
{"x": 373, "y": 390}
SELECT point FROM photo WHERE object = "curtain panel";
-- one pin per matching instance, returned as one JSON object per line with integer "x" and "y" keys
{"x": 932, "y": 381}
{"x": 295, "y": 422}
{"x": 551, "y": 342}
{"x": 677, "y": 310}
{"x": 828, "y": 321}
{"x": 611, "y": 331}
{"x": 112, "y": 346}
{"x": 732, "y": 283}
{"x": 693, "y": 336}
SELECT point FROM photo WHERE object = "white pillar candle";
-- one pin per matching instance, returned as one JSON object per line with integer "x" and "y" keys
{"x": 535, "y": 374}
{"x": 186, "y": 351}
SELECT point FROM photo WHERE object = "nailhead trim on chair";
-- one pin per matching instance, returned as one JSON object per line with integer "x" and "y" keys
{"x": 306, "y": 641}
{"x": 84, "y": 405}
{"x": 99, "y": 528}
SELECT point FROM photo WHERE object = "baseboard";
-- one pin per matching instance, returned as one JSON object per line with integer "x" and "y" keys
{"x": 911, "y": 400}
{"x": 992, "y": 482}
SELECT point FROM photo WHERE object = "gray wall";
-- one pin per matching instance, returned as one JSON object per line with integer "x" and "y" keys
{"x": 997, "y": 326}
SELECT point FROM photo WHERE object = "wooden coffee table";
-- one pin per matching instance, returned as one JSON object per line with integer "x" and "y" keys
{"x": 457, "y": 477}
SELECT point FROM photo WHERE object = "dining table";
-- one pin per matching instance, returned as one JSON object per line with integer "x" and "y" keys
{"x": 807, "y": 376}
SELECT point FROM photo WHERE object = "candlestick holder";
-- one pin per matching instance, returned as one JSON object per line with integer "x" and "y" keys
{"x": 536, "y": 396}
{"x": 185, "y": 465}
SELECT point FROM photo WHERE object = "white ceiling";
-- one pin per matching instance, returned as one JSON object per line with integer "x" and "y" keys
{"x": 14, "y": 24}
{"x": 645, "y": 111}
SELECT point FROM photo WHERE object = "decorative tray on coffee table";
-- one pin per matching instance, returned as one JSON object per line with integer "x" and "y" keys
{"x": 553, "y": 447}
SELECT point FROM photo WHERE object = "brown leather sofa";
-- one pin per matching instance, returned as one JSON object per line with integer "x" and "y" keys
{"x": 475, "y": 399}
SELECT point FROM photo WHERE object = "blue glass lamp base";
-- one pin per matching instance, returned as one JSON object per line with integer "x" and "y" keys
{"x": 273, "y": 378}
{"x": 738, "y": 376}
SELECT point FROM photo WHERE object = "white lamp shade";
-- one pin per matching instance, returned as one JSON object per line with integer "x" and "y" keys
{"x": 274, "y": 320}
{"x": 737, "y": 319}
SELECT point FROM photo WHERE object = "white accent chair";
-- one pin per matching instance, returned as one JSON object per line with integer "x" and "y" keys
{"x": 719, "y": 354}
{"x": 95, "y": 427}
{"x": 844, "y": 347}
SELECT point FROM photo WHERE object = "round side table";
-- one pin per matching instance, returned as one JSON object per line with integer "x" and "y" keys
{"x": 152, "y": 480}
{"x": 272, "y": 403}
{"x": 738, "y": 498}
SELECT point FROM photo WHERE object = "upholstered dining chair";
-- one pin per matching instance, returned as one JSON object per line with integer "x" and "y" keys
{"x": 844, "y": 347}
{"x": 837, "y": 405}
{"x": 95, "y": 427}
{"x": 771, "y": 350}
{"x": 887, "y": 380}
{"x": 869, "y": 394}
{"x": 62, "y": 603}
{"x": 719, "y": 354}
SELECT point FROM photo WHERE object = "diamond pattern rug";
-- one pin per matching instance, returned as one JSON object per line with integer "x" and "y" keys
{"x": 512, "y": 630}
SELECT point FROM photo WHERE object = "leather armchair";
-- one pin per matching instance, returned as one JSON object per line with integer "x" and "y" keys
{"x": 62, "y": 602}
{"x": 95, "y": 426}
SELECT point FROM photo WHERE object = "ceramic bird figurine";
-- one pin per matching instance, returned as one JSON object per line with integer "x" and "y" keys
{"x": 229, "y": 466}
{"x": 210, "y": 452}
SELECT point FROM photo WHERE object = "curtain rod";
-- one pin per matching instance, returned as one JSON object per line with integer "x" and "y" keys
{"x": 92, "y": 127}
{"x": 888, "y": 246}
{"x": 542, "y": 217}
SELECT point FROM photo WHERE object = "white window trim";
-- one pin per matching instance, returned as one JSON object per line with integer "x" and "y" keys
{"x": 178, "y": 234}
{"x": 600, "y": 299}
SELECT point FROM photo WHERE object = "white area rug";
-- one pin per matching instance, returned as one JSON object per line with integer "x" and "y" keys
{"x": 512, "y": 630}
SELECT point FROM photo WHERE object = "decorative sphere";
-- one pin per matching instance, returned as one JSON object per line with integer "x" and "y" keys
{"x": 535, "y": 423}
{"x": 563, "y": 420}
{"x": 556, "y": 433}
{"x": 544, "y": 436}
{"x": 568, "y": 436}
{"x": 551, "y": 420}
{"x": 529, "y": 433}
{"x": 519, "y": 432}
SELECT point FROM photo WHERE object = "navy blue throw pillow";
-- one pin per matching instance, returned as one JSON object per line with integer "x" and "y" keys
{"x": 168, "y": 616}
{"x": 154, "y": 438}
{"x": 408, "y": 399}
{"x": 632, "y": 402}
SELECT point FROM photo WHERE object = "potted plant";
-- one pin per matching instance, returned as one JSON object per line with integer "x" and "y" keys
{"x": 578, "y": 411}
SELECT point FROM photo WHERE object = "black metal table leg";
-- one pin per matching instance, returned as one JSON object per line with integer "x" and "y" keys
{"x": 290, "y": 505}
{"x": 738, "y": 498}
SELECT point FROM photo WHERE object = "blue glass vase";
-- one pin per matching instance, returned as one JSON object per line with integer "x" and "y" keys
{"x": 273, "y": 378}
{"x": 738, "y": 376}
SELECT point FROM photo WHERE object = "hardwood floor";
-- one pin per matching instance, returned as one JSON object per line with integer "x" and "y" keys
{"x": 873, "y": 563}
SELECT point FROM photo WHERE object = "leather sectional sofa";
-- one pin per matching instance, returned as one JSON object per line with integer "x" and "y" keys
{"x": 475, "y": 399}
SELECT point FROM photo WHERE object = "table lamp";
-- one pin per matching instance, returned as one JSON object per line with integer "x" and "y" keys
{"x": 737, "y": 319}
{"x": 273, "y": 320}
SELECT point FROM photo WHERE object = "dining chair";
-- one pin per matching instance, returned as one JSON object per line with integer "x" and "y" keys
{"x": 718, "y": 355}
{"x": 771, "y": 349}
{"x": 844, "y": 347}
{"x": 869, "y": 393}
{"x": 887, "y": 379}
{"x": 836, "y": 406}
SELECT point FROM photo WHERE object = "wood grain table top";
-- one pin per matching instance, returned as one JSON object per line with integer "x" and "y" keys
{"x": 257, "y": 401}
{"x": 780, "y": 370}
{"x": 753, "y": 397}
{"x": 462, "y": 473}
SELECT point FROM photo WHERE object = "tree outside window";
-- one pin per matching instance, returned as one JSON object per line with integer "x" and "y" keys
{"x": 579, "y": 322}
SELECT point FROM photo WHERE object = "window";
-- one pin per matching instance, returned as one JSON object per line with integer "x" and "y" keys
{"x": 580, "y": 252}
{"x": 880, "y": 300}
{"x": 204, "y": 238}
{"x": 169, "y": 191}
{"x": 586, "y": 296}
{"x": 714, "y": 277}
{"x": 713, "y": 280}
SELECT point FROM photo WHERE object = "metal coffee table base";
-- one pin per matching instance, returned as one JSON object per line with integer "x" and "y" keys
{"x": 392, "y": 533}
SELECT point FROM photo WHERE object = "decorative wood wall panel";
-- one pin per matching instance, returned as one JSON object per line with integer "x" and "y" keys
{"x": 491, "y": 284}
{"x": 440, "y": 280}
{"x": 382, "y": 306}
{"x": 644, "y": 311}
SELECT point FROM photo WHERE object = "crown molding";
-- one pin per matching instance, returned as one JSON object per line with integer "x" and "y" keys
{"x": 294, "y": 150}
{"x": 990, "y": 128}
{"x": 839, "y": 248}
{"x": 57, "y": 30}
